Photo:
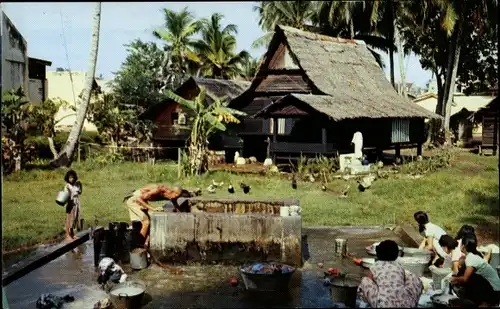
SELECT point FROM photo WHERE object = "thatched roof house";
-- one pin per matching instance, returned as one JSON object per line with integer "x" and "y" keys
{"x": 347, "y": 80}
{"x": 489, "y": 117}
{"x": 171, "y": 119}
{"x": 216, "y": 89}
{"x": 313, "y": 92}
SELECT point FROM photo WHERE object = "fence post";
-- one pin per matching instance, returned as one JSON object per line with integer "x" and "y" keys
{"x": 179, "y": 162}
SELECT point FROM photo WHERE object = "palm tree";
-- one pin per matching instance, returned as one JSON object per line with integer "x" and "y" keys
{"x": 249, "y": 68}
{"x": 208, "y": 119}
{"x": 297, "y": 14}
{"x": 351, "y": 19}
{"x": 177, "y": 34}
{"x": 216, "y": 49}
{"x": 460, "y": 11}
{"x": 65, "y": 158}
{"x": 330, "y": 18}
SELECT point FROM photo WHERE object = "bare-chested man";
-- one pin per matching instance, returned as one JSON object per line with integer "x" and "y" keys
{"x": 138, "y": 203}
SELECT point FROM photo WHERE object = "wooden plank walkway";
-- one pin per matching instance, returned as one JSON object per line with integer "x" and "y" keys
{"x": 30, "y": 264}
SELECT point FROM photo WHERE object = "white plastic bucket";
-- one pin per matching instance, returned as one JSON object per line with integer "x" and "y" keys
{"x": 62, "y": 197}
{"x": 284, "y": 211}
{"x": 294, "y": 210}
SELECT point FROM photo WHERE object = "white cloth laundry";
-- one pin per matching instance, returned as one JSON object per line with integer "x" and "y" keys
{"x": 108, "y": 265}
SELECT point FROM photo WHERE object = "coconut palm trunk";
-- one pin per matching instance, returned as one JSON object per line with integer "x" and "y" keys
{"x": 451, "y": 75}
{"x": 65, "y": 157}
{"x": 402, "y": 73}
{"x": 391, "y": 42}
{"x": 451, "y": 72}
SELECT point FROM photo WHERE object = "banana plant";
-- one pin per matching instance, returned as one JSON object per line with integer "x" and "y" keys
{"x": 208, "y": 118}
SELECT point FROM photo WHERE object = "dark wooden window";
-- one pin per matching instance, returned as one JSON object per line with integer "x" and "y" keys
{"x": 182, "y": 119}
{"x": 400, "y": 131}
{"x": 175, "y": 117}
{"x": 281, "y": 126}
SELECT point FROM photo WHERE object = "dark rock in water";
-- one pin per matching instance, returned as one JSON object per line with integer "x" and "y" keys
{"x": 103, "y": 304}
{"x": 49, "y": 301}
{"x": 181, "y": 201}
{"x": 246, "y": 188}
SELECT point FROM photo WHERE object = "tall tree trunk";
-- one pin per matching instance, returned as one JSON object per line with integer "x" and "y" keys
{"x": 351, "y": 28}
{"x": 437, "y": 123}
{"x": 401, "y": 59}
{"x": 65, "y": 158}
{"x": 391, "y": 42}
{"x": 52, "y": 147}
{"x": 451, "y": 74}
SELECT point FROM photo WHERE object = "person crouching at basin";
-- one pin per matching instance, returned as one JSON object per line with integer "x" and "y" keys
{"x": 387, "y": 284}
{"x": 480, "y": 280}
{"x": 138, "y": 201}
{"x": 432, "y": 233}
{"x": 453, "y": 247}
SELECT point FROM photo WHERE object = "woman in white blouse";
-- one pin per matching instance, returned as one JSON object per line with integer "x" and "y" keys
{"x": 480, "y": 280}
{"x": 432, "y": 233}
{"x": 453, "y": 246}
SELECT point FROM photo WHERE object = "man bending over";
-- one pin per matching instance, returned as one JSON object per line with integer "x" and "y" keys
{"x": 138, "y": 202}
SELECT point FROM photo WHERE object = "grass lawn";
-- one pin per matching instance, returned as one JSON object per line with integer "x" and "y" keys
{"x": 466, "y": 192}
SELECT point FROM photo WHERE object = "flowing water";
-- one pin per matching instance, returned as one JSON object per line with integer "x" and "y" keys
{"x": 198, "y": 286}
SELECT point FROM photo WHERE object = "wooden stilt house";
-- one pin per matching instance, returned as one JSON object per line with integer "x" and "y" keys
{"x": 313, "y": 92}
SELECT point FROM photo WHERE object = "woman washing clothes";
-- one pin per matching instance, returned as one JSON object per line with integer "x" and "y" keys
{"x": 480, "y": 281}
{"x": 387, "y": 284}
{"x": 432, "y": 233}
{"x": 453, "y": 247}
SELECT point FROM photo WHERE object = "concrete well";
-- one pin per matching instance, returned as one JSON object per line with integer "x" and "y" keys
{"x": 229, "y": 231}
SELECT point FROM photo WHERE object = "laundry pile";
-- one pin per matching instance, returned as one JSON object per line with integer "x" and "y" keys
{"x": 49, "y": 301}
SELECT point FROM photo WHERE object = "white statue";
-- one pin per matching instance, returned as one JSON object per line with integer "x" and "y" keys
{"x": 357, "y": 140}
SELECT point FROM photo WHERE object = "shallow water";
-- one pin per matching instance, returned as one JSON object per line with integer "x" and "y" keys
{"x": 198, "y": 286}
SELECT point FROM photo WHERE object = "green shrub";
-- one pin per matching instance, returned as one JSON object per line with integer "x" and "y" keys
{"x": 41, "y": 143}
{"x": 321, "y": 168}
{"x": 430, "y": 165}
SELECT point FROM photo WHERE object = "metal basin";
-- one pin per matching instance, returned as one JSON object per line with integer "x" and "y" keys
{"x": 415, "y": 252}
{"x": 127, "y": 295}
{"x": 345, "y": 290}
{"x": 442, "y": 300}
{"x": 261, "y": 281}
{"x": 415, "y": 265}
{"x": 367, "y": 262}
{"x": 371, "y": 249}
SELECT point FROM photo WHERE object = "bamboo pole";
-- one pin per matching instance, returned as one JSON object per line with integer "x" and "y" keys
{"x": 179, "y": 163}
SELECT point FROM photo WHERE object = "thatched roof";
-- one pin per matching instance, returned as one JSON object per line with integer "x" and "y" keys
{"x": 341, "y": 107}
{"x": 493, "y": 105}
{"x": 219, "y": 88}
{"x": 216, "y": 88}
{"x": 346, "y": 76}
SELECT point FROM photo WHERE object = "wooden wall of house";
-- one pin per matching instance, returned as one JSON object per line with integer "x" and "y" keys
{"x": 376, "y": 132}
{"x": 490, "y": 136}
{"x": 164, "y": 120}
{"x": 258, "y": 126}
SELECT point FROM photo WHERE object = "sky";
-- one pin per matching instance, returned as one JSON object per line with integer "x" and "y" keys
{"x": 60, "y": 32}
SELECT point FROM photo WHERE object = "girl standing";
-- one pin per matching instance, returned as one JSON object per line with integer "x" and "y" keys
{"x": 74, "y": 187}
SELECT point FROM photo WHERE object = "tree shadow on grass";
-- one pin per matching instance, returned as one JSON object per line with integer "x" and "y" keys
{"x": 487, "y": 218}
